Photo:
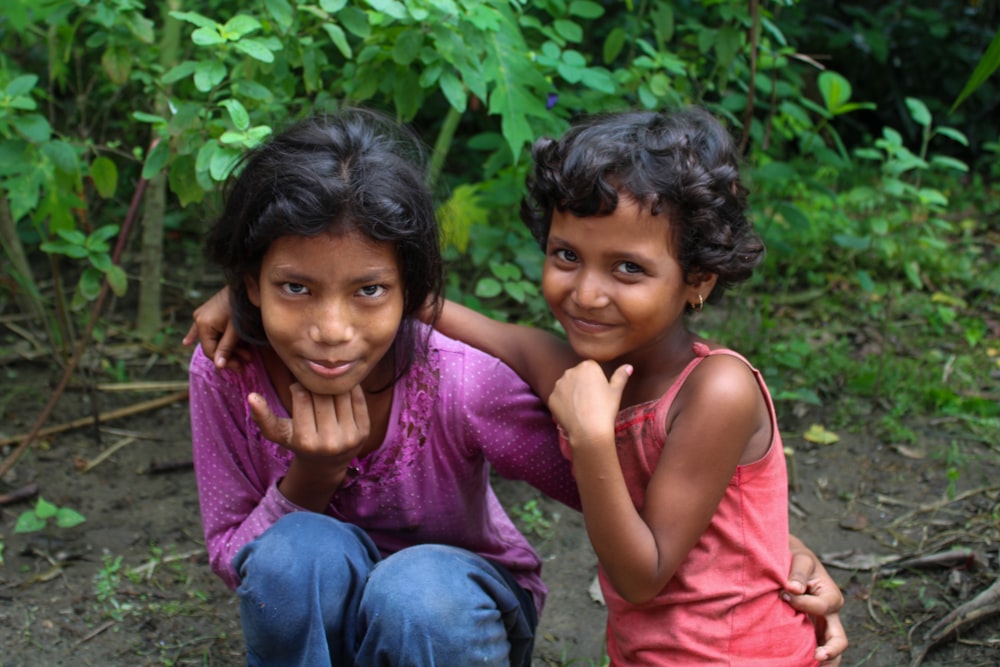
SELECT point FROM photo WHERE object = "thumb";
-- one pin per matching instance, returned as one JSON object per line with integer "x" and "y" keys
{"x": 271, "y": 426}
{"x": 620, "y": 378}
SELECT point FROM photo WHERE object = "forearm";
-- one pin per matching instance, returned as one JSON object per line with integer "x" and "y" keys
{"x": 622, "y": 541}
{"x": 537, "y": 356}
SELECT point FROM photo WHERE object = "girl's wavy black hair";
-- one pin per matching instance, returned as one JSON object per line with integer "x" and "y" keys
{"x": 356, "y": 170}
{"x": 683, "y": 164}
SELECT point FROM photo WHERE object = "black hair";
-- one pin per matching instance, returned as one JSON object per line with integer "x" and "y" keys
{"x": 356, "y": 170}
{"x": 684, "y": 164}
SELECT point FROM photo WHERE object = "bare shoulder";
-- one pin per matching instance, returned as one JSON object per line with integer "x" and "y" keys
{"x": 722, "y": 379}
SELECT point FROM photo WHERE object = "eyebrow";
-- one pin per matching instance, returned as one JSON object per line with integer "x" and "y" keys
{"x": 293, "y": 275}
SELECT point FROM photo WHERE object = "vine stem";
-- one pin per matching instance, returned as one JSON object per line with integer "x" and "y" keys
{"x": 84, "y": 340}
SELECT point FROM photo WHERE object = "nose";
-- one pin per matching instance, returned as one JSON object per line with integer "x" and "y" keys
{"x": 330, "y": 323}
{"x": 589, "y": 291}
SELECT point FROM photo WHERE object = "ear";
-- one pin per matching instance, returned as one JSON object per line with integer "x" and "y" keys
{"x": 253, "y": 290}
{"x": 700, "y": 288}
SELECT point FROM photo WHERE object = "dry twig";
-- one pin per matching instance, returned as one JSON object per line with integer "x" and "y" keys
{"x": 983, "y": 605}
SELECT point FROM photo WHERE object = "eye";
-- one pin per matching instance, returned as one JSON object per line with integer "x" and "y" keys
{"x": 372, "y": 291}
{"x": 294, "y": 289}
{"x": 564, "y": 255}
{"x": 631, "y": 268}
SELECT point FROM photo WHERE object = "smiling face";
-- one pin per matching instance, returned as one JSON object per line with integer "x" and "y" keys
{"x": 331, "y": 306}
{"x": 615, "y": 284}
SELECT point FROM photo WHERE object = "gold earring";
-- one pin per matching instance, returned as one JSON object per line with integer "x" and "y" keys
{"x": 700, "y": 306}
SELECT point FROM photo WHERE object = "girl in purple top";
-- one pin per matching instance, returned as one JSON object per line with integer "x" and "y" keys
{"x": 344, "y": 473}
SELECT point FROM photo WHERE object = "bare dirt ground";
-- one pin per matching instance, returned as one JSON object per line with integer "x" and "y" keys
{"x": 131, "y": 586}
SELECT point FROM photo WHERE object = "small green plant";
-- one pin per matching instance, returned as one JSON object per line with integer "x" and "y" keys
{"x": 45, "y": 514}
{"x": 533, "y": 519}
{"x": 106, "y": 587}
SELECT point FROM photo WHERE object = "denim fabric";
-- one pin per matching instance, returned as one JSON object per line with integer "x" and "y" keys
{"x": 314, "y": 591}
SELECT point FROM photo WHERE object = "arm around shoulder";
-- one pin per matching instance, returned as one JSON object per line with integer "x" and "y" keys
{"x": 538, "y": 356}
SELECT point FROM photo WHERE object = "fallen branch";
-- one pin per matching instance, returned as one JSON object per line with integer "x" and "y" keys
{"x": 941, "y": 504}
{"x": 93, "y": 463}
{"x": 17, "y": 495}
{"x": 127, "y": 411}
{"x": 983, "y": 605}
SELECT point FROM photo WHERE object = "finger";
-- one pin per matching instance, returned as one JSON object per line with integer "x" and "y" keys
{"x": 349, "y": 408}
{"x": 359, "y": 407}
{"x": 227, "y": 343}
{"x": 271, "y": 426}
{"x": 191, "y": 336}
{"x": 304, "y": 424}
{"x": 802, "y": 570}
{"x": 834, "y": 642}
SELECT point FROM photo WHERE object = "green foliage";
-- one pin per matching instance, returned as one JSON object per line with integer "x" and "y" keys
{"x": 44, "y": 515}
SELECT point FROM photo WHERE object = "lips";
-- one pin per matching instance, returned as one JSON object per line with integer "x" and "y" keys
{"x": 584, "y": 325}
{"x": 329, "y": 369}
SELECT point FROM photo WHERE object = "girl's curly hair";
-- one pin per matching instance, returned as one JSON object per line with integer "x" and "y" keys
{"x": 682, "y": 164}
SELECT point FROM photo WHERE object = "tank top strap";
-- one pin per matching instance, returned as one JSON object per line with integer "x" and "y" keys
{"x": 701, "y": 352}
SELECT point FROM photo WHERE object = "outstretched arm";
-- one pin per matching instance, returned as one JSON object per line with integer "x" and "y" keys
{"x": 538, "y": 356}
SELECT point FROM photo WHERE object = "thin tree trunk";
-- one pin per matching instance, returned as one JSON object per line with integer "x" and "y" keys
{"x": 28, "y": 300}
{"x": 149, "y": 319}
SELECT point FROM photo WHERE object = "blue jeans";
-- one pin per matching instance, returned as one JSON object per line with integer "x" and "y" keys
{"x": 315, "y": 591}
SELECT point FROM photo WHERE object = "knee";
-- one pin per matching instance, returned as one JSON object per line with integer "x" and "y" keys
{"x": 426, "y": 583}
{"x": 299, "y": 544}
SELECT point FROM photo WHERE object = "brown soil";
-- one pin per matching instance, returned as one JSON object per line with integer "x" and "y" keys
{"x": 131, "y": 585}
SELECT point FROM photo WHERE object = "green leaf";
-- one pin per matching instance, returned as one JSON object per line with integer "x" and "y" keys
{"x": 339, "y": 39}
{"x": 390, "y": 8}
{"x": 953, "y": 134}
{"x": 153, "y": 119}
{"x": 104, "y": 173}
{"x": 184, "y": 182}
{"x": 156, "y": 160}
{"x": 487, "y": 288}
{"x": 33, "y": 127}
{"x": 67, "y": 518}
{"x": 28, "y": 522}
{"x": 237, "y": 113}
{"x": 613, "y": 45}
{"x": 454, "y": 91}
{"x": 586, "y": 9}
{"x": 21, "y": 85}
{"x": 63, "y": 156}
{"x": 117, "y": 64}
{"x": 407, "y": 47}
{"x": 356, "y": 22}
{"x": 90, "y": 283}
{"x": 195, "y": 18}
{"x": 919, "y": 112}
{"x": 569, "y": 30}
{"x": 987, "y": 65}
{"x": 209, "y": 74}
{"x": 207, "y": 36}
{"x": 256, "y": 49}
{"x": 949, "y": 163}
{"x": 117, "y": 280}
{"x": 182, "y": 71}
{"x": 222, "y": 161}
{"x": 44, "y": 509}
{"x": 239, "y": 25}
{"x": 835, "y": 90}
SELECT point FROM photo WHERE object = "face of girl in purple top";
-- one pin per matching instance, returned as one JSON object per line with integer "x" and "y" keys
{"x": 331, "y": 306}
